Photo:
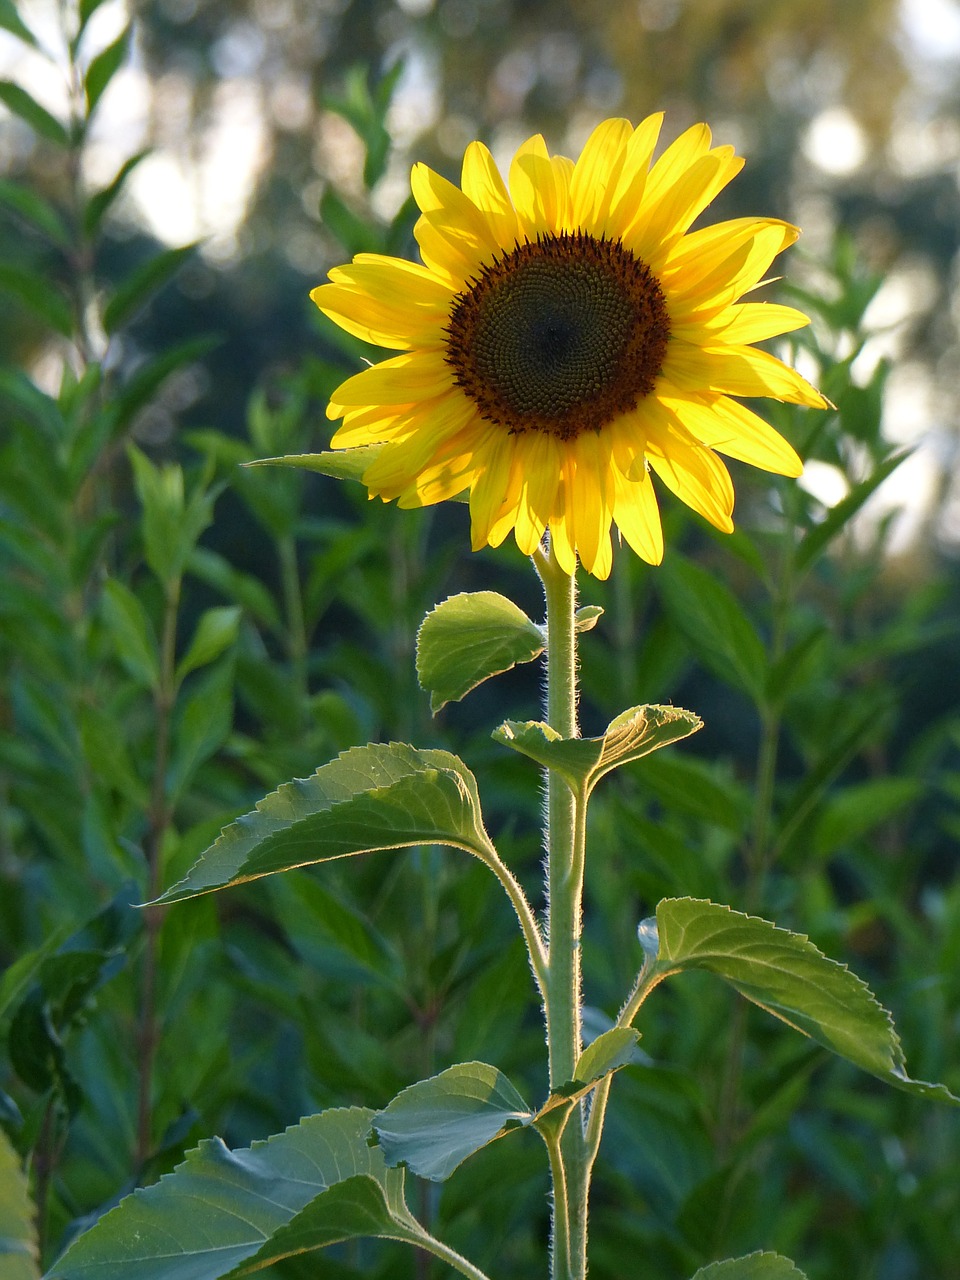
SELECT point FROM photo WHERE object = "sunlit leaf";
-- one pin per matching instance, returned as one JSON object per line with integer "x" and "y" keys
{"x": 755, "y": 1266}
{"x": 383, "y": 796}
{"x": 469, "y": 638}
{"x": 582, "y": 762}
{"x": 787, "y": 975}
{"x": 18, "y": 1237}
{"x": 434, "y": 1125}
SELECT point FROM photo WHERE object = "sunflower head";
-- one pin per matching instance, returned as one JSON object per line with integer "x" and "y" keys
{"x": 565, "y": 336}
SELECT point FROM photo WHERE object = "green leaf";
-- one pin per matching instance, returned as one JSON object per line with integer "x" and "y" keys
{"x": 227, "y": 1212}
{"x": 40, "y": 296}
{"x": 613, "y": 1049}
{"x": 103, "y": 68}
{"x": 469, "y": 638}
{"x": 216, "y": 631}
{"x": 341, "y": 464}
{"x": 587, "y": 617}
{"x": 18, "y": 1238}
{"x": 840, "y": 515}
{"x": 787, "y": 975}
{"x": 128, "y": 627}
{"x": 755, "y": 1266}
{"x": 17, "y": 100}
{"x": 714, "y": 624}
{"x": 100, "y": 201}
{"x": 582, "y": 762}
{"x": 135, "y": 292}
{"x": 172, "y": 519}
{"x": 11, "y": 21}
{"x": 434, "y": 1125}
{"x": 204, "y": 718}
{"x": 383, "y": 796}
{"x": 35, "y": 210}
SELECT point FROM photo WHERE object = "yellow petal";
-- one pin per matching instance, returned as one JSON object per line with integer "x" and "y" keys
{"x": 632, "y": 180}
{"x": 737, "y": 371}
{"x": 733, "y": 429}
{"x": 400, "y": 380}
{"x": 661, "y": 221}
{"x": 637, "y": 516}
{"x": 595, "y": 174}
{"x": 589, "y": 503}
{"x": 386, "y": 301}
{"x": 694, "y": 473}
{"x": 483, "y": 184}
{"x": 742, "y": 324}
{"x": 533, "y": 185}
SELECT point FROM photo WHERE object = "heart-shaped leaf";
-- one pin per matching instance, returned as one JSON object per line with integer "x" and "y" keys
{"x": 434, "y": 1125}
{"x": 469, "y": 638}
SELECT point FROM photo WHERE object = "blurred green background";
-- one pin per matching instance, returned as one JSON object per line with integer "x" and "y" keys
{"x": 178, "y": 635}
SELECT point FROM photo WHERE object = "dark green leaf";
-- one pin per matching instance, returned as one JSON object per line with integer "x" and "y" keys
{"x": 129, "y": 629}
{"x": 788, "y": 976}
{"x": 100, "y": 201}
{"x": 138, "y": 288}
{"x": 755, "y": 1266}
{"x": 203, "y": 720}
{"x": 375, "y": 797}
{"x": 216, "y": 631}
{"x": 582, "y": 762}
{"x": 840, "y": 515}
{"x": 713, "y": 623}
{"x": 469, "y": 638}
{"x": 222, "y": 1212}
{"x": 39, "y": 295}
{"x": 103, "y": 68}
{"x": 434, "y": 1125}
{"x": 18, "y": 1237}
{"x": 17, "y": 100}
{"x": 34, "y": 210}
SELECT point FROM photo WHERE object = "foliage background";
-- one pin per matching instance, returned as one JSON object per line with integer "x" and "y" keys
{"x": 179, "y": 635}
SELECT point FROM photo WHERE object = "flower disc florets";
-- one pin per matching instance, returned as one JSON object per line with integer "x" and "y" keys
{"x": 560, "y": 335}
{"x": 566, "y": 337}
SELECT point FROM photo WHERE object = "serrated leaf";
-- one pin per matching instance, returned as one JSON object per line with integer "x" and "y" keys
{"x": 587, "y": 617}
{"x": 103, "y": 68}
{"x": 139, "y": 287}
{"x": 755, "y": 1266}
{"x": 787, "y": 975}
{"x": 22, "y": 104}
{"x": 469, "y": 638}
{"x": 582, "y": 762}
{"x": 382, "y": 796}
{"x": 18, "y": 1237}
{"x": 223, "y": 1212}
{"x": 436, "y": 1124}
{"x": 216, "y": 631}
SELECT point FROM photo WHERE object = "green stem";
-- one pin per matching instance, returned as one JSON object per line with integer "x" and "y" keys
{"x": 422, "y": 1238}
{"x": 565, "y": 845}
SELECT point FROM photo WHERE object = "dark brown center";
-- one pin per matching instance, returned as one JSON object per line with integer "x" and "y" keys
{"x": 560, "y": 335}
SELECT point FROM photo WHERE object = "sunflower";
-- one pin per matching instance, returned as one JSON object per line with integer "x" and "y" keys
{"x": 566, "y": 335}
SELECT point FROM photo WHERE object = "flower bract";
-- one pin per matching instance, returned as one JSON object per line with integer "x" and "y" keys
{"x": 566, "y": 337}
